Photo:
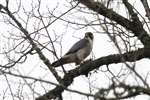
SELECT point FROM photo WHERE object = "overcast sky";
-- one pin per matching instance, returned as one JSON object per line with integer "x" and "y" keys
{"x": 70, "y": 34}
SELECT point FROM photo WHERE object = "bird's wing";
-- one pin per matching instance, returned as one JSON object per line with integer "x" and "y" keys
{"x": 77, "y": 46}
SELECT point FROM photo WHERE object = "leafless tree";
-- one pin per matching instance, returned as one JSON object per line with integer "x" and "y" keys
{"x": 32, "y": 37}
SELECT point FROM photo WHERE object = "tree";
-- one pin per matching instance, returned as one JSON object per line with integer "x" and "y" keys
{"x": 32, "y": 35}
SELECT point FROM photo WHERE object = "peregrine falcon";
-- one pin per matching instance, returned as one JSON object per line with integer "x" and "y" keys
{"x": 78, "y": 52}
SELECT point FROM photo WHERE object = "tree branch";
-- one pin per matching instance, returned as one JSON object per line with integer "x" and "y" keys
{"x": 88, "y": 66}
{"x": 135, "y": 26}
{"x": 128, "y": 92}
{"x": 34, "y": 46}
{"x": 146, "y": 7}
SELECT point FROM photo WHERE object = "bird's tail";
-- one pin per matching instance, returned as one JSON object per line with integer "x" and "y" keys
{"x": 59, "y": 62}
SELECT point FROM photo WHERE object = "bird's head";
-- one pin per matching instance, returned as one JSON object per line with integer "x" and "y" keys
{"x": 89, "y": 35}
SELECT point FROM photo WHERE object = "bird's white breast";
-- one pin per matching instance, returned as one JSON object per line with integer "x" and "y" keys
{"x": 84, "y": 52}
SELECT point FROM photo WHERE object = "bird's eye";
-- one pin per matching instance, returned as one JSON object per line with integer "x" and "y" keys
{"x": 90, "y": 35}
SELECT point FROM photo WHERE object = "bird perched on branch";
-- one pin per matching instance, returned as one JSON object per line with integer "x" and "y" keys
{"x": 78, "y": 52}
